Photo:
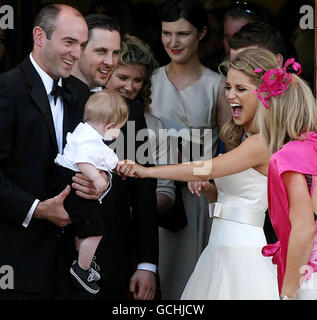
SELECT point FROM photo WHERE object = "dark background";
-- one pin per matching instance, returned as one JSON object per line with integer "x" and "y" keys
{"x": 139, "y": 17}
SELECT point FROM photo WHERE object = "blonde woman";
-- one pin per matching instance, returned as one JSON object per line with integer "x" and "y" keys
{"x": 288, "y": 124}
{"x": 232, "y": 266}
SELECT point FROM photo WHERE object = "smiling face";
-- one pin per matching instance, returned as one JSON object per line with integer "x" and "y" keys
{"x": 100, "y": 57}
{"x": 127, "y": 80}
{"x": 241, "y": 97}
{"x": 57, "y": 55}
{"x": 180, "y": 40}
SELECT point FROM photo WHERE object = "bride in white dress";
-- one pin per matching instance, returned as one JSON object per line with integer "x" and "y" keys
{"x": 231, "y": 266}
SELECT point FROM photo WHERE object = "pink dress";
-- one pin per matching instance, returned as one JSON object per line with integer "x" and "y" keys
{"x": 297, "y": 156}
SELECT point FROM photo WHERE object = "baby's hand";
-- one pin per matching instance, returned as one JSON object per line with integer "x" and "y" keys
{"x": 128, "y": 168}
{"x": 100, "y": 184}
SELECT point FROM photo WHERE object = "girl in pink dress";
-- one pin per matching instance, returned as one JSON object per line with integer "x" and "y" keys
{"x": 288, "y": 124}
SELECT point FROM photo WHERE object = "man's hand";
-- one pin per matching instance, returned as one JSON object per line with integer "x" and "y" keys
{"x": 85, "y": 188}
{"x": 143, "y": 285}
{"x": 53, "y": 209}
{"x": 207, "y": 188}
{"x": 196, "y": 187}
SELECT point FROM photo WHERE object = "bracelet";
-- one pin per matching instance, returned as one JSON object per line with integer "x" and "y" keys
{"x": 284, "y": 297}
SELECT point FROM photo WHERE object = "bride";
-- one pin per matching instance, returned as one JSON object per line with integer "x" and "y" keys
{"x": 231, "y": 266}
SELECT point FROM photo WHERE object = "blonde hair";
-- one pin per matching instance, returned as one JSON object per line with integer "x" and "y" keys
{"x": 290, "y": 115}
{"x": 106, "y": 106}
{"x": 246, "y": 61}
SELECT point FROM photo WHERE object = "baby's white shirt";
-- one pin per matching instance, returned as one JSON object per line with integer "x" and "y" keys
{"x": 85, "y": 144}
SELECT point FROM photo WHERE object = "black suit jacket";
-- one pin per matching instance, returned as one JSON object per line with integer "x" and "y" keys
{"x": 28, "y": 148}
{"x": 130, "y": 238}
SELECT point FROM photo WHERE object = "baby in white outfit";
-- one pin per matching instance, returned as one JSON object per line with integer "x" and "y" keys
{"x": 86, "y": 152}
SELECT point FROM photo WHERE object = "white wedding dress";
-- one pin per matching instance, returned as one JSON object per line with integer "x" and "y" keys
{"x": 232, "y": 266}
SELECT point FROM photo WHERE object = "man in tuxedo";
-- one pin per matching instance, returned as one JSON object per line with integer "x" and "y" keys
{"x": 129, "y": 236}
{"x": 33, "y": 125}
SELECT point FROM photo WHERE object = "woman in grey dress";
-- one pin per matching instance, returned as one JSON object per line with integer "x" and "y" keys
{"x": 189, "y": 99}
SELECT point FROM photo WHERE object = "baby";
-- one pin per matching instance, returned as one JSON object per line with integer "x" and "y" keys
{"x": 86, "y": 152}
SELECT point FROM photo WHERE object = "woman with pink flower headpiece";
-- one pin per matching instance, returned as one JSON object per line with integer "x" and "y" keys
{"x": 288, "y": 124}
{"x": 232, "y": 265}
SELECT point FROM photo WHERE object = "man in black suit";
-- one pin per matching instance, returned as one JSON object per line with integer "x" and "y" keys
{"x": 33, "y": 125}
{"x": 129, "y": 237}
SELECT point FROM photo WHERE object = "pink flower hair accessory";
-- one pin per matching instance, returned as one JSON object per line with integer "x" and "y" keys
{"x": 275, "y": 81}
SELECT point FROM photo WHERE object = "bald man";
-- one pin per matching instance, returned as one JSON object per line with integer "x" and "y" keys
{"x": 33, "y": 126}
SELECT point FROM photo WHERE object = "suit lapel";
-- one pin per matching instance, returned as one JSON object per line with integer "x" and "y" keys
{"x": 39, "y": 96}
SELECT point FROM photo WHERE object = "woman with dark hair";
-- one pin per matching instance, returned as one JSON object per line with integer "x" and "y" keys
{"x": 188, "y": 98}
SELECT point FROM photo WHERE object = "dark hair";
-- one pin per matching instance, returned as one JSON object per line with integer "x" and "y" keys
{"x": 260, "y": 34}
{"x": 191, "y": 10}
{"x": 101, "y": 21}
{"x": 250, "y": 11}
{"x": 46, "y": 19}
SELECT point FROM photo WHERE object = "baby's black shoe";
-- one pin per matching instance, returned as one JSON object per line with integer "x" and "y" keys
{"x": 86, "y": 278}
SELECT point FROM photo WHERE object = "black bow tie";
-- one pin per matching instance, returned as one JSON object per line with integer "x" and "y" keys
{"x": 62, "y": 92}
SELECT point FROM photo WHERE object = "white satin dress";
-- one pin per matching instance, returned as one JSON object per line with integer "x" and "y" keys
{"x": 232, "y": 266}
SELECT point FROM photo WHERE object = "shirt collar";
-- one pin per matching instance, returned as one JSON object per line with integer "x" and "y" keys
{"x": 46, "y": 79}
{"x": 97, "y": 89}
{"x": 92, "y": 129}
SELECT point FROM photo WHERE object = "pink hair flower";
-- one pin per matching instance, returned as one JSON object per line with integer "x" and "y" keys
{"x": 297, "y": 67}
{"x": 275, "y": 81}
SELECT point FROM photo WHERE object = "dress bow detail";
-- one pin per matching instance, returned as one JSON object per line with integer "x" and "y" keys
{"x": 273, "y": 250}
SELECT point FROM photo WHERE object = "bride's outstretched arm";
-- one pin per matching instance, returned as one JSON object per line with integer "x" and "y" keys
{"x": 182, "y": 172}
{"x": 249, "y": 154}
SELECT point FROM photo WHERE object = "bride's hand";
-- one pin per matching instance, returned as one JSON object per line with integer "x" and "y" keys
{"x": 128, "y": 168}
